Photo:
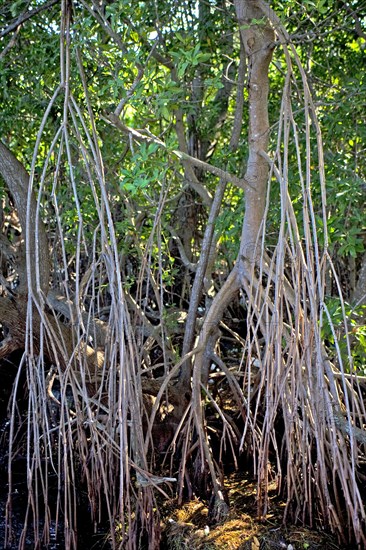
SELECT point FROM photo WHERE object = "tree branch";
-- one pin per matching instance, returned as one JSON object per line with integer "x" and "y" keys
{"x": 23, "y": 17}
{"x": 17, "y": 182}
{"x": 144, "y": 135}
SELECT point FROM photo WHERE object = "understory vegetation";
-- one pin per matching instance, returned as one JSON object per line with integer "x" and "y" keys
{"x": 183, "y": 271}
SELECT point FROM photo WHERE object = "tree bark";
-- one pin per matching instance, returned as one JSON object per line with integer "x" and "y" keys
{"x": 258, "y": 40}
{"x": 17, "y": 181}
{"x": 359, "y": 294}
{"x": 13, "y": 309}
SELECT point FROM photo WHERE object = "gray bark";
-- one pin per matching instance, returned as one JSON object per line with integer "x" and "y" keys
{"x": 359, "y": 294}
{"x": 17, "y": 182}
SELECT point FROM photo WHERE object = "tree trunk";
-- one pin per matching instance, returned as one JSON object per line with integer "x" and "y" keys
{"x": 258, "y": 43}
{"x": 359, "y": 294}
{"x": 17, "y": 181}
{"x": 13, "y": 309}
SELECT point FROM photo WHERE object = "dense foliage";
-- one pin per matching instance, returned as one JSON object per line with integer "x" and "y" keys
{"x": 158, "y": 61}
{"x": 134, "y": 119}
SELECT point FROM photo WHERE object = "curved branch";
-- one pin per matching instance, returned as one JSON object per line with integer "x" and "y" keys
{"x": 17, "y": 182}
{"x": 23, "y": 17}
{"x": 144, "y": 135}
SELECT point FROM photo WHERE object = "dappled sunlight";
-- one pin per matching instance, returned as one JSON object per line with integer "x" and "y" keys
{"x": 182, "y": 275}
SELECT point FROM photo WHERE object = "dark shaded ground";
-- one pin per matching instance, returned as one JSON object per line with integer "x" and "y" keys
{"x": 19, "y": 494}
{"x": 183, "y": 527}
{"x": 187, "y": 527}
{"x": 87, "y": 539}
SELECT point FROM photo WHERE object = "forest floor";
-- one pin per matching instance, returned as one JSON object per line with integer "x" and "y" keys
{"x": 186, "y": 527}
{"x": 183, "y": 527}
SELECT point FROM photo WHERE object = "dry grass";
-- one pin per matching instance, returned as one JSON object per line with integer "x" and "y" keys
{"x": 186, "y": 527}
